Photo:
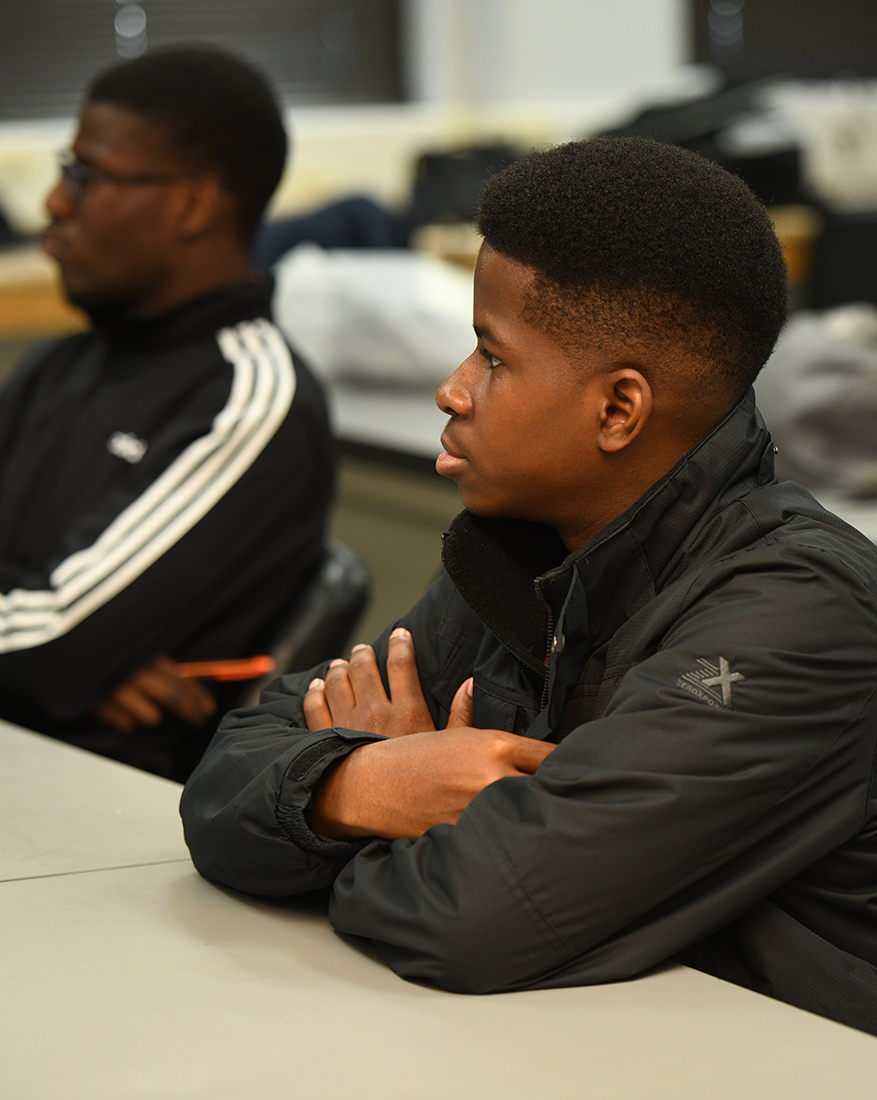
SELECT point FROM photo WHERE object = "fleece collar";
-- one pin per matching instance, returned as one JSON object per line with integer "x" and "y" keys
{"x": 518, "y": 578}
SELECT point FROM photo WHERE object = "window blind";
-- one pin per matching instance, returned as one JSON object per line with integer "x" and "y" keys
{"x": 314, "y": 51}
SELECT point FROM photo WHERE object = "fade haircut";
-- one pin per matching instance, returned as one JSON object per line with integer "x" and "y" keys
{"x": 217, "y": 110}
{"x": 647, "y": 245}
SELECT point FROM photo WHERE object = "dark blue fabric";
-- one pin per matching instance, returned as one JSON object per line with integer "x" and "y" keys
{"x": 353, "y": 223}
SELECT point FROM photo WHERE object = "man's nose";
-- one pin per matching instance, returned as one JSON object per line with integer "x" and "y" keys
{"x": 453, "y": 394}
{"x": 58, "y": 202}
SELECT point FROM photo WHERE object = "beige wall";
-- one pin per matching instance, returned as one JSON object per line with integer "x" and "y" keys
{"x": 542, "y": 51}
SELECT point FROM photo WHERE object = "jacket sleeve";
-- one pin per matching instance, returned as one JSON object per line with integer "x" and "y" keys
{"x": 646, "y": 829}
{"x": 242, "y": 500}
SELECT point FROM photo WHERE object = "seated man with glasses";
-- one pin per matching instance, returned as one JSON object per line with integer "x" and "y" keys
{"x": 165, "y": 476}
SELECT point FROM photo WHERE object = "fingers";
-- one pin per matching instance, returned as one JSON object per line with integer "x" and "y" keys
{"x": 192, "y": 701}
{"x": 402, "y": 668}
{"x": 153, "y": 692}
{"x": 527, "y": 754}
{"x": 316, "y": 711}
{"x": 138, "y": 706}
{"x": 339, "y": 692}
{"x": 461, "y": 707}
{"x": 364, "y": 676}
{"x": 186, "y": 698}
{"x": 112, "y": 714}
{"x": 353, "y": 695}
{"x": 332, "y": 701}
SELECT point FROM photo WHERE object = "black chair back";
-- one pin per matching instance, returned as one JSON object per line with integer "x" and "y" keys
{"x": 320, "y": 625}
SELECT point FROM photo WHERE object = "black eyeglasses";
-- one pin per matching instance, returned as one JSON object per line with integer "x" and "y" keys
{"x": 77, "y": 177}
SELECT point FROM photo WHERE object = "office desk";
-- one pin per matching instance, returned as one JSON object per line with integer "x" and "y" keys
{"x": 65, "y": 811}
{"x": 136, "y": 982}
{"x": 31, "y": 300}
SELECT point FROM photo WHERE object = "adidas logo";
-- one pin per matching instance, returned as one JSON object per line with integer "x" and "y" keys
{"x": 126, "y": 445}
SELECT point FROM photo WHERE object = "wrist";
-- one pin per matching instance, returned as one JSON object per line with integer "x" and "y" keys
{"x": 330, "y": 812}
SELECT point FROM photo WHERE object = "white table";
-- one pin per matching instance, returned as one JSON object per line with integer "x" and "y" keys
{"x": 144, "y": 981}
{"x": 65, "y": 811}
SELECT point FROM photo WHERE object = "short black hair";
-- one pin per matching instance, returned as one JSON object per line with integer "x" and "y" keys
{"x": 218, "y": 111}
{"x": 646, "y": 243}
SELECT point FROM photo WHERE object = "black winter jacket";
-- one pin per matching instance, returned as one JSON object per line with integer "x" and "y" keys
{"x": 163, "y": 489}
{"x": 710, "y": 681}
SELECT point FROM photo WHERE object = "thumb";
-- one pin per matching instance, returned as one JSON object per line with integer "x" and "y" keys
{"x": 461, "y": 707}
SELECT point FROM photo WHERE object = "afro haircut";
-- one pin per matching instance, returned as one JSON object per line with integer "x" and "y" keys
{"x": 647, "y": 244}
{"x": 218, "y": 111}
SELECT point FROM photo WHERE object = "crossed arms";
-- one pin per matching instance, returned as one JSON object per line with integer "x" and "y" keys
{"x": 417, "y": 778}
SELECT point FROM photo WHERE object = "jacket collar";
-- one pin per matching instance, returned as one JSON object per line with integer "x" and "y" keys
{"x": 199, "y": 317}
{"x": 517, "y": 577}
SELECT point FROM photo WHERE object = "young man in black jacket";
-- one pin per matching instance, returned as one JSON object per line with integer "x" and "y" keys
{"x": 165, "y": 476}
{"x": 635, "y": 719}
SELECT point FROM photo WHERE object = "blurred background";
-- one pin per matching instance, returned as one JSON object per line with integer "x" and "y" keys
{"x": 402, "y": 107}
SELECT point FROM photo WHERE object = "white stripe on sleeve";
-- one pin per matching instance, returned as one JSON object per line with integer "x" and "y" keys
{"x": 261, "y": 393}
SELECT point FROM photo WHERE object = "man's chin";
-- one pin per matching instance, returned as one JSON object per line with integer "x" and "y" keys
{"x": 99, "y": 307}
{"x": 484, "y": 507}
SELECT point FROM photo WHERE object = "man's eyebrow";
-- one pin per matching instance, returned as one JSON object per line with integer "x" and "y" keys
{"x": 485, "y": 334}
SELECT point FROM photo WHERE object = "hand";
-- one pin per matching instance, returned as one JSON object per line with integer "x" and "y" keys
{"x": 352, "y": 696}
{"x": 405, "y": 785}
{"x": 153, "y": 692}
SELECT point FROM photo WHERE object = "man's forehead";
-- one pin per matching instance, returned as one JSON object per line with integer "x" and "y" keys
{"x": 516, "y": 311}
{"x": 498, "y": 265}
{"x": 501, "y": 282}
{"x": 503, "y": 288}
{"x": 485, "y": 332}
{"x": 111, "y": 133}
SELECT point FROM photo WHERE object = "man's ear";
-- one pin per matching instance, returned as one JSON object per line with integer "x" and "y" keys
{"x": 203, "y": 203}
{"x": 625, "y": 408}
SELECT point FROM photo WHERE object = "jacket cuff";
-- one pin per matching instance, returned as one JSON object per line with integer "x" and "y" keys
{"x": 299, "y": 780}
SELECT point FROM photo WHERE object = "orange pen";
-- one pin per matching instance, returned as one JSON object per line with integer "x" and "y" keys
{"x": 239, "y": 668}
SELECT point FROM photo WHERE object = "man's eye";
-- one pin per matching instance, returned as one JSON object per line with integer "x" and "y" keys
{"x": 492, "y": 360}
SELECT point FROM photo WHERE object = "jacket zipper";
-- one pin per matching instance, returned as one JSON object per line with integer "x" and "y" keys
{"x": 549, "y": 642}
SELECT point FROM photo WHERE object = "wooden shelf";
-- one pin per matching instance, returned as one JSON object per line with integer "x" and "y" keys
{"x": 32, "y": 302}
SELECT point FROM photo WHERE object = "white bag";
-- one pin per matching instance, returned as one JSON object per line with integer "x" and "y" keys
{"x": 386, "y": 316}
{"x": 818, "y": 395}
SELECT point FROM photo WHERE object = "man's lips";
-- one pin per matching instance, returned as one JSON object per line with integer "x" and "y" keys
{"x": 51, "y": 243}
{"x": 450, "y": 463}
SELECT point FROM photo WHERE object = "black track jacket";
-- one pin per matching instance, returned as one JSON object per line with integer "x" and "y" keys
{"x": 711, "y": 686}
{"x": 163, "y": 489}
